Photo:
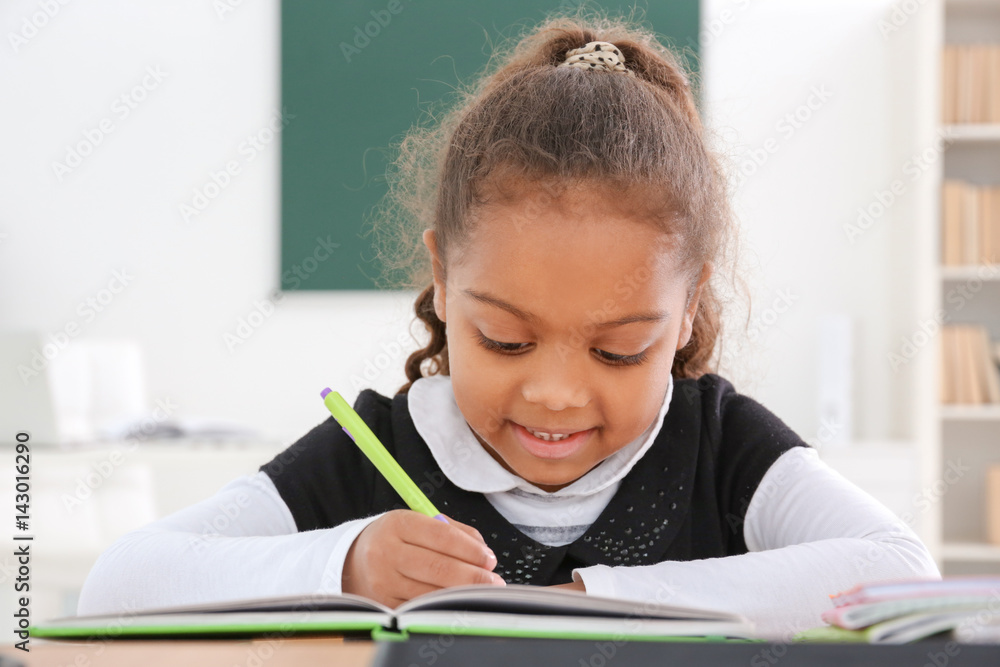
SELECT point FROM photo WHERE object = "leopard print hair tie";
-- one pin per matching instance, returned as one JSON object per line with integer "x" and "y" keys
{"x": 597, "y": 55}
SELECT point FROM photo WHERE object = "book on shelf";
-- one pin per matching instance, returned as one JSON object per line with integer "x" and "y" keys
{"x": 970, "y": 224}
{"x": 993, "y": 504}
{"x": 898, "y": 612}
{"x": 949, "y": 89}
{"x": 514, "y": 610}
{"x": 969, "y": 366}
{"x": 970, "y": 83}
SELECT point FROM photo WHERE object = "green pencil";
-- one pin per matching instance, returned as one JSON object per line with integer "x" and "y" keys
{"x": 358, "y": 430}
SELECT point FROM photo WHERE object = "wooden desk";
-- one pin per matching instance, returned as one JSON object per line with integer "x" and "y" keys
{"x": 276, "y": 652}
{"x": 447, "y": 651}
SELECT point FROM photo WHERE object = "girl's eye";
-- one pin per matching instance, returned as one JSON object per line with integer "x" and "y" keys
{"x": 497, "y": 346}
{"x": 623, "y": 359}
{"x": 608, "y": 357}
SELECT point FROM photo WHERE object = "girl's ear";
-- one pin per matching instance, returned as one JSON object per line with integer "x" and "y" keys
{"x": 692, "y": 306}
{"x": 438, "y": 270}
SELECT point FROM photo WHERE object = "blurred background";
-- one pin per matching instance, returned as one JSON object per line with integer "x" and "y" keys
{"x": 184, "y": 264}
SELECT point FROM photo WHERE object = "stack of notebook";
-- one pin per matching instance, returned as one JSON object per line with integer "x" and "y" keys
{"x": 966, "y": 609}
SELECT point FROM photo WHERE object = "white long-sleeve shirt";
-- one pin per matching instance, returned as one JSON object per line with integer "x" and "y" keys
{"x": 810, "y": 533}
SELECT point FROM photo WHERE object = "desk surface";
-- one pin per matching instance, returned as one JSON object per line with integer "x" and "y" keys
{"x": 446, "y": 650}
{"x": 277, "y": 652}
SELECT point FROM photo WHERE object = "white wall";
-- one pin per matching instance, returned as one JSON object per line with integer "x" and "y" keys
{"x": 192, "y": 283}
{"x": 119, "y": 210}
{"x": 762, "y": 61}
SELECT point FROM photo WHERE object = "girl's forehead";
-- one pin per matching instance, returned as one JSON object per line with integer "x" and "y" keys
{"x": 563, "y": 283}
{"x": 560, "y": 224}
{"x": 591, "y": 249}
{"x": 568, "y": 226}
{"x": 528, "y": 194}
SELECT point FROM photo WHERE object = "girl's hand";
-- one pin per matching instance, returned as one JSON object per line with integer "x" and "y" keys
{"x": 403, "y": 554}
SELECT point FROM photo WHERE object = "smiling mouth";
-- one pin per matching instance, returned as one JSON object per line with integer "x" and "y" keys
{"x": 552, "y": 446}
{"x": 554, "y": 436}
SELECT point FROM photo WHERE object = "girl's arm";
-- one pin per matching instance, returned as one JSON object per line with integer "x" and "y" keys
{"x": 810, "y": 533}
{"x": 240, "y": 543}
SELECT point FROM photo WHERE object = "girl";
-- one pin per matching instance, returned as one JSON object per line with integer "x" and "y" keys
{"x": 563, "y": 415}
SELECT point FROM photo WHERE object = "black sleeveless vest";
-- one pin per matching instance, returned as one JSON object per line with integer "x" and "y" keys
{"x": 685, "y": 499}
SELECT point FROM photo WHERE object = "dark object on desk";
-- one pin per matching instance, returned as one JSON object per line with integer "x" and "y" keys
{"x": 446, "y": 650}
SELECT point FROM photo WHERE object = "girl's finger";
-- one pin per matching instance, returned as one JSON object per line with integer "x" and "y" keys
{"x": 469, "y": 530}
{"x": 407, "y": 588}
{"x": 423, "y": 531}
{"x": 441, "y": 570}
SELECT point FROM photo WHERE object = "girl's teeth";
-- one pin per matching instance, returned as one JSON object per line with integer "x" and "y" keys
{"x": 547, "y": 436}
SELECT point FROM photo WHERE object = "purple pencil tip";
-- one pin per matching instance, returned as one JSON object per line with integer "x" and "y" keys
{"x": 323, "y": 393}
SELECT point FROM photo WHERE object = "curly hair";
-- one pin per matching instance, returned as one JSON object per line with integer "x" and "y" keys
{"x": 526, "y": 119}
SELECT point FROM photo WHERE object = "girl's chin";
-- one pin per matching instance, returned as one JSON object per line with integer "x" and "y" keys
{"x": 550, "y": 487}
{"x": 553, "y": 482}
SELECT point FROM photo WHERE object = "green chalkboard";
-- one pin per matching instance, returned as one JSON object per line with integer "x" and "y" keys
{"x": 355, "y": 76}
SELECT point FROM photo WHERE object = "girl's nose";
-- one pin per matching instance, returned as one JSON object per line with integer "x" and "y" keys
{"x": 556, "y": 383}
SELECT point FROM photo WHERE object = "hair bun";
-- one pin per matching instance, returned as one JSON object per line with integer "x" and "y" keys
{"x": 597, "y": 55}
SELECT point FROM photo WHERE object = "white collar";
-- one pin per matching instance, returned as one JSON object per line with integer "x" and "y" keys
{"x": 469, "y": 466}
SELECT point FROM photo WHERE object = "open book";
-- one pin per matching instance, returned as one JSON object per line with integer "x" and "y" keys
{"x": 513, "y": 610}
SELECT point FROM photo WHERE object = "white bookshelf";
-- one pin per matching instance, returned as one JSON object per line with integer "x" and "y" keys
{"x": 970, "y": 413}
{"x": 972, "y": 133}
{"x": 971, "y": 552}
{"x": 985, "y": 272}
{"x": 965, "y": 437}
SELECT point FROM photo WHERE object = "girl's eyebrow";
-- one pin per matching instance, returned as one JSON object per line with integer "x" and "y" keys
{"x": 528, "y": 317}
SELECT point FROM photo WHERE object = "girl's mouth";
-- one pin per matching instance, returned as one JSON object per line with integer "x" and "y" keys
{"x": 554, "y": 447}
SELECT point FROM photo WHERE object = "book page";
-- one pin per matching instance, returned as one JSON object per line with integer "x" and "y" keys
{"x": 521, "y": 599}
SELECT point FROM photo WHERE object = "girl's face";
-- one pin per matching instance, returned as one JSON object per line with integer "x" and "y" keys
{"x": 566, "y": 321}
